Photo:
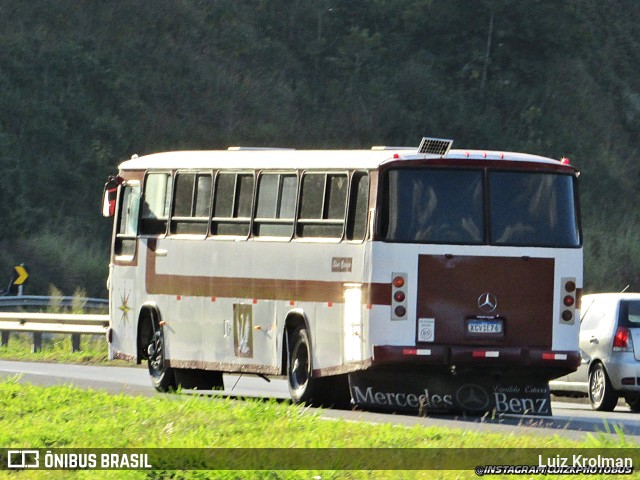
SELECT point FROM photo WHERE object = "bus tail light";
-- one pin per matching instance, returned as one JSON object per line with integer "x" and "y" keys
{"x": 398, "y": 296}
{"x": 622, "y": 341}
{"x": 568, "y": 295}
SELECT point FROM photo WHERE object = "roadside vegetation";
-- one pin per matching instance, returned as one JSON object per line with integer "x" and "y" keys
{"x": 57, "y": 348}
{"x": 68, "y": 417}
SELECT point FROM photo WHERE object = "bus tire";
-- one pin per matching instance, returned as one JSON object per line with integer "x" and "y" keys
{"x": 302, "y": 385}
{"x": 601, "y": 394}
{"x": 163, "y": 377}
{"x": 330, "y": 391}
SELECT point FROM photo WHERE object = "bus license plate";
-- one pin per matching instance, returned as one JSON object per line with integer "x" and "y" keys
{"x": 484, "y": 326}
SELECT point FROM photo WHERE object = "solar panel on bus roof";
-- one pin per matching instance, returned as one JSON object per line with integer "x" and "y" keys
{"x": 435, "y": 146}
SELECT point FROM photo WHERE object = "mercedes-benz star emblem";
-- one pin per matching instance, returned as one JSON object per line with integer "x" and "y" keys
{"x": 487, "y": 302}
{"x": 472, "y": 397}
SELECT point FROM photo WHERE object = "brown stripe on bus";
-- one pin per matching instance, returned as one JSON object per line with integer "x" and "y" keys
{"x": 256, "y": 288}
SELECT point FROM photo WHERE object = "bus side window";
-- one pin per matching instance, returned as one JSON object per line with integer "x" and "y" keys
{"x": 232, "y": 204}
{"x": 358, "y": 206}
{"x": 155, "y": 207}
{"x": 322, "y": 205}
{"x": 276, "y": 202}
{"x": 127, "y": 231}
{"x": 191, "y": 203}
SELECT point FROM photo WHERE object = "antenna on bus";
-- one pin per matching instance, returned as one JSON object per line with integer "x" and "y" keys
{"x": 625, "y": 289}
{"x": 435, "y": 146}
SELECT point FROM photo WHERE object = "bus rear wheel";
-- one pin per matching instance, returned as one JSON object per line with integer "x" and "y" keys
{"x": 299, "y": 368}
{"x": 303, "y": 387}
{"x": 163, "y": 377}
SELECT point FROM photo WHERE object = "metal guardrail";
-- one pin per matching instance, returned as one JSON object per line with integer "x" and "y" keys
{"x": 42, "y": 301}
{"x": 39, "y": 323}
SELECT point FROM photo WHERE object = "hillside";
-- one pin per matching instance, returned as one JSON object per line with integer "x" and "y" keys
{"x": 84, "y": 85}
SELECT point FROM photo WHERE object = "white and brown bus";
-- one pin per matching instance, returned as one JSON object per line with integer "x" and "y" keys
{"x": 418, "y": 278}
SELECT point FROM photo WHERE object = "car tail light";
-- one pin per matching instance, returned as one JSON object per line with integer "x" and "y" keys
{"x": 622, "y": 341}
{"x": 398, "y": 296}
{"x": 568, "y": 295}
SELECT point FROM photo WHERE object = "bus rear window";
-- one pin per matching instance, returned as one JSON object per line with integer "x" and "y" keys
{"x": 467, "y": 207}
{"x": 434, "y": 206}
{"x": 532, "y": 209}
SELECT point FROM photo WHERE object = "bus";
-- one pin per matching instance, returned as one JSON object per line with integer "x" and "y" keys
{"x": 424, "y": 279}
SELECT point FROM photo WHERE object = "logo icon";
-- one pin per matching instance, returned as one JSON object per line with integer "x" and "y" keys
{"x": 487, "y": 302}
{"x": 23, "y": 459}
{"x": 472, "y": 397}
{"x": 124, "y": 307}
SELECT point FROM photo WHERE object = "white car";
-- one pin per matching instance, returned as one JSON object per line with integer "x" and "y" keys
{"x": 610, "y": 349}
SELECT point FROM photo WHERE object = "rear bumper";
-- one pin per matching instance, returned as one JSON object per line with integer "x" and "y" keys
{"x": 551, "y": 363}
{"x": 624, "y": 372}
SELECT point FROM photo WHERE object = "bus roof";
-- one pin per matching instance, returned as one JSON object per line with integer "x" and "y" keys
{"x": 240, "y": 158}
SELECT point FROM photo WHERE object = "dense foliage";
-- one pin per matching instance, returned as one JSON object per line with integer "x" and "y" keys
{"x": 83, "y": 85}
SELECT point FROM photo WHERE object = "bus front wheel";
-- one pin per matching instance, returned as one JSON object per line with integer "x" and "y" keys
{"x": 163, "y": 377}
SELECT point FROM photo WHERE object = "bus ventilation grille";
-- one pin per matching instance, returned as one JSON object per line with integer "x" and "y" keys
{"x": 435, "y": 146}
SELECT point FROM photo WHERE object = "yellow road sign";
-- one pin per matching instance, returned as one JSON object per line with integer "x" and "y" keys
{"x": 22, "y": 275}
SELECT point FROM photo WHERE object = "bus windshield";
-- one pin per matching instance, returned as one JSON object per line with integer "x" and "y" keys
{"x": 465, "y": 207}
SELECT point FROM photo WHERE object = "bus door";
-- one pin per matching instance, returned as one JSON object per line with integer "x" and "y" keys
{"x": 124, "y": 258}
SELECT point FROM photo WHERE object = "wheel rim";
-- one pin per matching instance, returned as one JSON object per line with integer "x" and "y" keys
{"x": 597, "y": 385}
{"x": 156, "y": 360}
{"x": 300, "y": 367}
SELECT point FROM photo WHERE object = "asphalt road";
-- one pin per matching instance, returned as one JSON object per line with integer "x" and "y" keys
{"x": 573, "y": 419}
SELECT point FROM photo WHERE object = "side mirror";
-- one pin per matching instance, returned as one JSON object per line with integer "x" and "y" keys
{"x": 109, "y": 196}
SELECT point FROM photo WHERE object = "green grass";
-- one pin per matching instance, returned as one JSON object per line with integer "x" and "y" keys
{"x": 69, "y": 417}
